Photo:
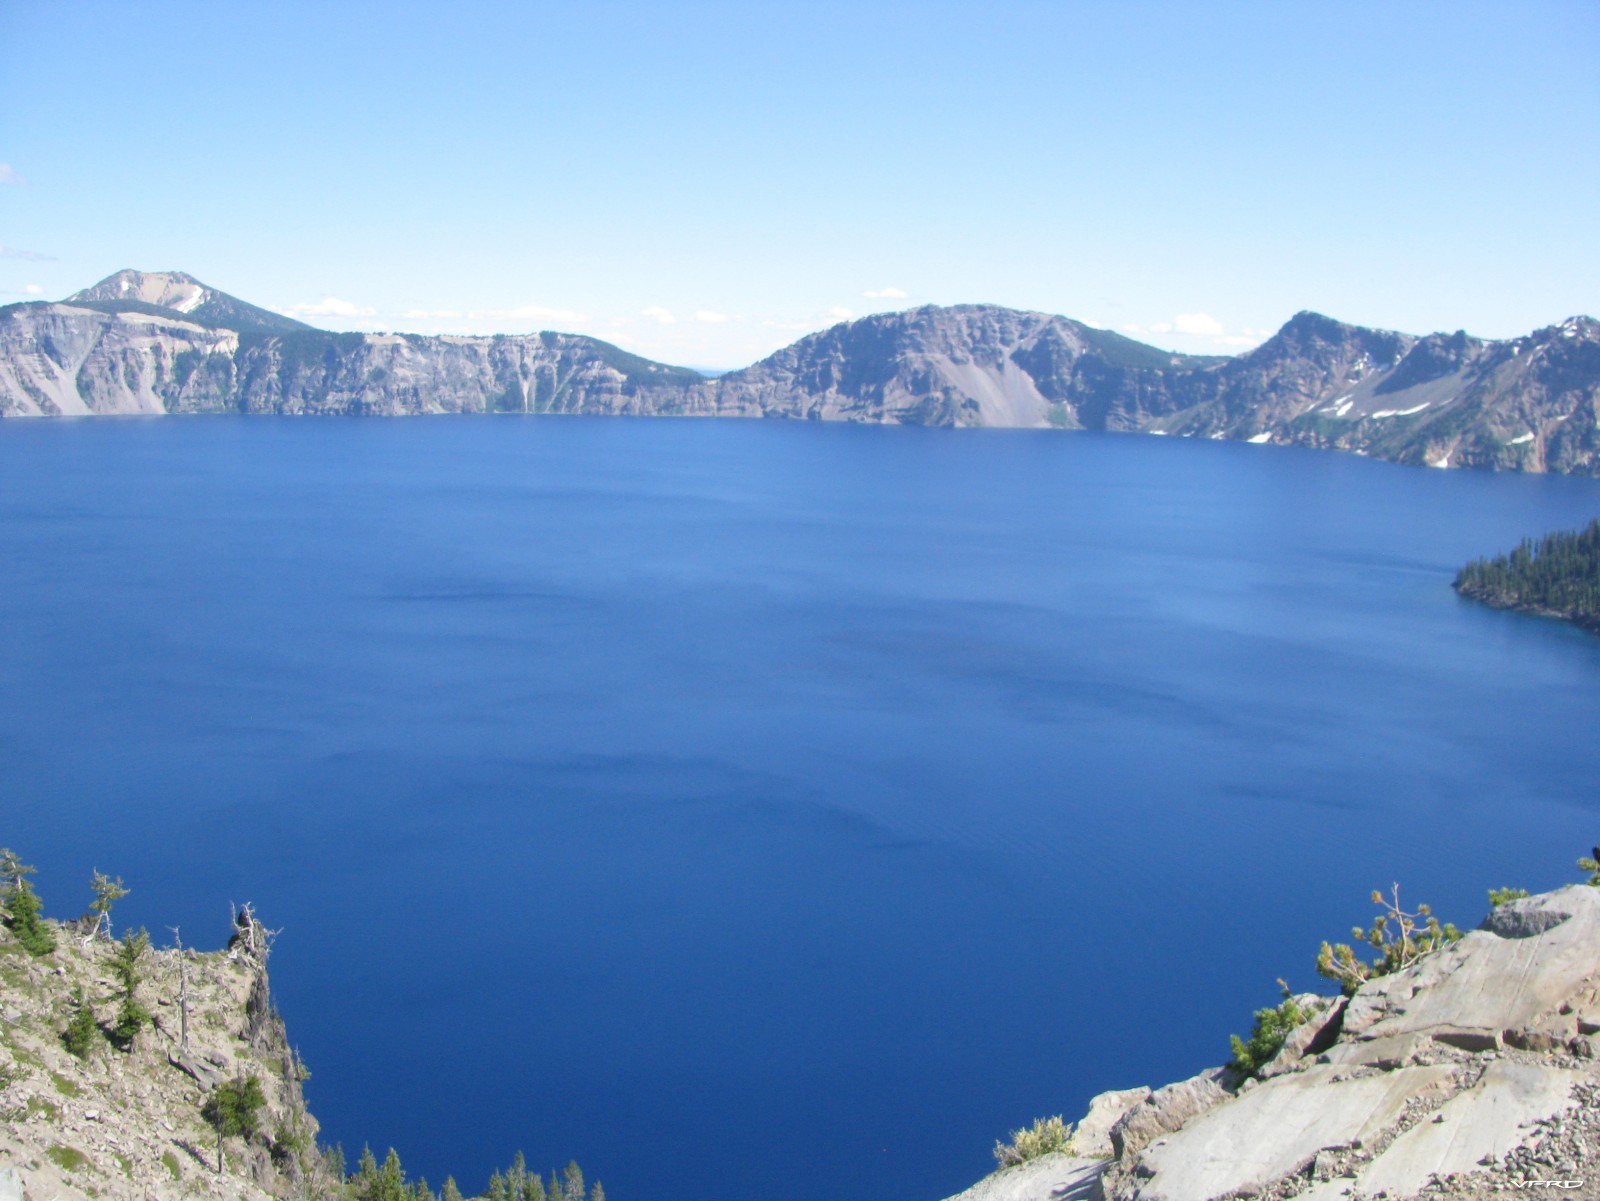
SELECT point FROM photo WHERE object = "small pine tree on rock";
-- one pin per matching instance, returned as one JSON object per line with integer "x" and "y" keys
{"x": 1500, "y": 896}
{"x": 23, "y": 906}
{"x": 1272, "y": 1027}
{"x": 1591, "y": 864}
{"x": 233, "y": 1108}
{"x": 1401, "y": 937}
{"x": 83, "y": 1031}
{"x": 127, "y": 966}
{"x": 107, "y": 892}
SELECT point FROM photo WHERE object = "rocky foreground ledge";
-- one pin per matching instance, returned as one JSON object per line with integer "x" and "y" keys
{"x": 1473, "y": 1073}
{"x": 128, "y": 1124}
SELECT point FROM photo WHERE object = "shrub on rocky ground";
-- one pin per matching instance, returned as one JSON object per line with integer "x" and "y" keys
{"x": 1272, "y": 1026}
{"x": 1043, "y": 1137}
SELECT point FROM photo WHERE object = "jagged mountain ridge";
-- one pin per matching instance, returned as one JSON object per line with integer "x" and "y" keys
{"x": 166, "y": 343}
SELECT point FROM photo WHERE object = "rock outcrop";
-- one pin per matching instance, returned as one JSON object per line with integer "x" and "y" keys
{"x": 127, "y": 1123}
{"x": 162, "y": 342}
{"x": 1474, "y": 1072}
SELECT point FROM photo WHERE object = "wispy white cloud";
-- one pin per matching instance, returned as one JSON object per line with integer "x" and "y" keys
{"x": 840, "y": 313}
{"x": 788, "y": 325}
{"x": 429, "y": 314}
{"x": 32, "y": 256}
{"x": 885, "y": 294}
{"x": 9, "y": 174}
{"x": 711, "y": 318}
{"x": 33, "y": 289}
{"x": 657, "y": 313}
{"x": 1201, "y": 328}
{"x": 330, "y": 306}
{"x": 1202, "y": 324}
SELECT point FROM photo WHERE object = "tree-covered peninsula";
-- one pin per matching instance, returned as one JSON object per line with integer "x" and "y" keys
{"x": 1557, "y": 576}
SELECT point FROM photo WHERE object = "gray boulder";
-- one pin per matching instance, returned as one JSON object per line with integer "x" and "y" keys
{"x": 1166, "y": 1109}
{"x": 1091, "y": 1137}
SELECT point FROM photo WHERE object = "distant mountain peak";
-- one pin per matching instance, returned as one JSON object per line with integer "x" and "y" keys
{"x": 173, "y": 290}
{"x": 1579, "y": 326}
{"x": 185, "y": 297}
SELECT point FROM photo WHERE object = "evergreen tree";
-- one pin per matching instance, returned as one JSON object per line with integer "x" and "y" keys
{"x": 233, "y": 1108}
{"x": 497, "y": 1188}
{"x": 421, "y": 1192}
{"x": 333, "y": 1160}
{"x": 83, "y": 1031}
{"x": 450, "y": 1192}
{"x": 517, "y": 1178}
{"x": 13, "y": 872}
{"x": 572, "y": 1182}
{"x": 366, "y": 1171}
{"x": 597, "y": 1193}
{"x": 390, "y": 1182}
{"x": 126, "y": 966}
{"x": 23, "y": 906}
{"x": 106, "y": 893}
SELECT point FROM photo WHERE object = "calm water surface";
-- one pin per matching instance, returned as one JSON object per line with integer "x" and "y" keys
{"x": 766, "y": 810}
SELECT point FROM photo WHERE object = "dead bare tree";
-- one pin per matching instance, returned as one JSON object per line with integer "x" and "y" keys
{"x": 250, "y": 937}
{"x": 183, "y": 989}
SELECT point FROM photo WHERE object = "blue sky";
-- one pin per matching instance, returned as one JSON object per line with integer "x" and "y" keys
{"x": 704, "y": 182}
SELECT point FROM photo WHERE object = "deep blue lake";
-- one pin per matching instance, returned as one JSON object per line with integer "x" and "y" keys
{"x": 756, "y": 810}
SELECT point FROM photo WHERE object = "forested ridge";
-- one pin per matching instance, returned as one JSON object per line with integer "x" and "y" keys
{"x": 1557, "y": 575}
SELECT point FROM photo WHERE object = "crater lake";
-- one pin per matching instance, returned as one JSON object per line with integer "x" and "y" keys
{"x": 767, "y": 810}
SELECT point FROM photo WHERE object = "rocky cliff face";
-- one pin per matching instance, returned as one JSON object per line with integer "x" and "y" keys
{"x": 165, "y": 343}
{"x": 127, "y": 1123}
{"x": 1440, "y": 401}
{"x": 967, "y": 365}
{"x": 1475, "y": 1072}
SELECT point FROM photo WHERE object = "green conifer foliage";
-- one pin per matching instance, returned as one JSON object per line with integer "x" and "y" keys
{"x": 1272, "y": 1027}
{"x": 106, "y": 893}
{"x": 233, "y": 1108}
{"x": 1558, "y": 574}
{"x": 83, "y": 1031}
{"x": 23, "y": 906}
{"x": 127, "y": 966}
{"x": 1591, "y": 864}
{"x": 451, "y": 1191}
{"x": 1401, "y": 937}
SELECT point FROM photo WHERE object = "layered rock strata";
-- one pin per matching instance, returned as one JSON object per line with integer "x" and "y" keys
{"x": 162, "y": 342}
{"x": 1473, "y": 1073}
